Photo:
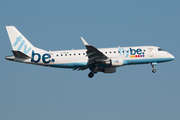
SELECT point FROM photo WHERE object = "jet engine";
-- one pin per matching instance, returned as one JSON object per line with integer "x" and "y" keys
{"x": 116, "y": 62}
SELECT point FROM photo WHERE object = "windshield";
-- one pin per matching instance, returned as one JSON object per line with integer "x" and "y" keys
{"x": 159, "y": 49}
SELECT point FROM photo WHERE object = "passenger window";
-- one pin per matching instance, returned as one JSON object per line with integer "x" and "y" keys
{"x": 74, "y": 54}
{"x": 61, "y": 54}
{"x": 114, "y": 51}
{"x": 79, "y": 54}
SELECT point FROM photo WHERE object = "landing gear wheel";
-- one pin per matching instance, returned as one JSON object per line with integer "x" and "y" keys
{"x": 91, "y": 74}
{"x": 154, "y": 70}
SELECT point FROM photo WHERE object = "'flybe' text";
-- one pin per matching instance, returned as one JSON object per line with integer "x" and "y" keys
{"x": 45, "y": 57}
{"x": 35, "y": 57}
{"x": 132, "y": 52}
{"x": 18, "y": 39}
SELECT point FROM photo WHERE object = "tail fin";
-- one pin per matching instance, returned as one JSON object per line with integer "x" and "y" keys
{"x": 19, "y": 42}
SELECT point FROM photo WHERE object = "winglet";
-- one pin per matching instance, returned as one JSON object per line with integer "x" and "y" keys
{"x": 85, "y": 43}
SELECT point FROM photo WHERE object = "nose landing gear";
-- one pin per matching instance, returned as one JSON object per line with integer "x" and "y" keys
{"x": 153, "y": 65}
{"x": 154, "y": 70}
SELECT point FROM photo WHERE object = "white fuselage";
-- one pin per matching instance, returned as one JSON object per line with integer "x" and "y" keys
{"x": 78, "y": 58}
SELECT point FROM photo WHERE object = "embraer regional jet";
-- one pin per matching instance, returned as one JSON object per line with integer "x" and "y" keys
{"x": 96, "y": 60}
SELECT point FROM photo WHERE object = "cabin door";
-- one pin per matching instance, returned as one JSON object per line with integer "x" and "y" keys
{"x": 151, "y": 53}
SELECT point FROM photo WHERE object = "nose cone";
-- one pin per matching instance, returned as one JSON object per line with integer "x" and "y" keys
{"x": 171, "y": 57}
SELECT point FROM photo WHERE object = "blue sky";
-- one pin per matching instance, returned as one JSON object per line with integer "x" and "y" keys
{"x": 29, "y": 92}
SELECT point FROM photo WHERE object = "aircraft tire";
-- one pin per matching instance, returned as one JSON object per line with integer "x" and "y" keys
{"x": 91, "y": 74}
{"x": 154, "y": 70}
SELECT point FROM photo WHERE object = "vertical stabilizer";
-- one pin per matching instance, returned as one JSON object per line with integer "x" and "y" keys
{"x": 19, "y": 42}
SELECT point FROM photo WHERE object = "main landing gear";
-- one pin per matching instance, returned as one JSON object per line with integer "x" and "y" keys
{"x": 93, "y": 71}
{"x": 153, "y": 65}
{"x": 91, "y": 74}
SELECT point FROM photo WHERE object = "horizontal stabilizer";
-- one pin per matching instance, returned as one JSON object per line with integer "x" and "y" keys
{"x": 19, "y": 54}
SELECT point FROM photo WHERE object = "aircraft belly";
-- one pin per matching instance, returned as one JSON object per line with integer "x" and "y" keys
{"x": 70, "y": 65}
{"x": 145, "y": 61}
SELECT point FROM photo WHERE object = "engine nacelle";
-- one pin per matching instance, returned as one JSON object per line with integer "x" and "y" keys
{"x": 109, "y": 70}
{"x": 116, "y": 62}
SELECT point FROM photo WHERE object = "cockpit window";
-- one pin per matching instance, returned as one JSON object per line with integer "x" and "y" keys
{"x": 159, "y": 49}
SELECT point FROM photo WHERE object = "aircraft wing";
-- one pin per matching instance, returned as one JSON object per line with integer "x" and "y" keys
{"x": 93, "y": 53}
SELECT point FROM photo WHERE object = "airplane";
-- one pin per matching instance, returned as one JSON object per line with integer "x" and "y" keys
{"x": 96, "y": 60}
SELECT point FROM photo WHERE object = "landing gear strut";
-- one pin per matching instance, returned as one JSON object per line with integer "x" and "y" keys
{"x": 94, "y": 70}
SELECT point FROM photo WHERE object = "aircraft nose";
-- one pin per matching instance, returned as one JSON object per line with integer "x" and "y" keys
{"x": 171, "y": 56}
